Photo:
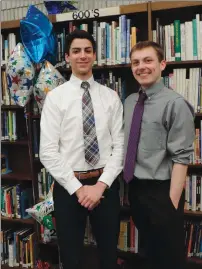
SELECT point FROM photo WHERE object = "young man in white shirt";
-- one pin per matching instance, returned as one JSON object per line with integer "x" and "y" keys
{"x": 82, "y": 147}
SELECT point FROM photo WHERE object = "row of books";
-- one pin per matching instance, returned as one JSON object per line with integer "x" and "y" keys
{"x": 6, "y": 97}
{"x": 15, "y": 200}
{"x": 45, "y": 181}
{"x": 193, "y": 193}
{"x": 18, "y": 247}
{"x": 181, "y": 41}
{"x": 8, "y": 126}
{"x": 8, "y": 43}
{"x": 188, "y": 83}
{"x": 114, "y": 40}
{"x": 128, "y": 236}
{"x": 196, "y": 157}
{"x": 193, "y": 239}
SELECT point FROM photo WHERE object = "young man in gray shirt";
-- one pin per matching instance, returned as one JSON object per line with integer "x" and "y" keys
{"x": 159, "y": 134}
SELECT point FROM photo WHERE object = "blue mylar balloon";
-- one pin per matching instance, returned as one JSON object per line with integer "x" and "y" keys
{"x": 56, "y": 7}
{"x": 37, "y": 36}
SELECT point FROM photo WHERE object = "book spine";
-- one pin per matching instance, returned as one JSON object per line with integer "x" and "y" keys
{"x": 177, "y": 40}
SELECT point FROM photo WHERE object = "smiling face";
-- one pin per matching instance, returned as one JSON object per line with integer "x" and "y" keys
{"x": 81, "y": 58}
{"x": 146, "y": 66}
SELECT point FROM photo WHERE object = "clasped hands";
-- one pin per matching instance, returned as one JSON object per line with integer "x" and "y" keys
{"x": 90, "y": 196}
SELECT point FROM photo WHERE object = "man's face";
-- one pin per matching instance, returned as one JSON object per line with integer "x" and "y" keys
{"x": 146, "y": 67}
{"x": 81, "y": 57}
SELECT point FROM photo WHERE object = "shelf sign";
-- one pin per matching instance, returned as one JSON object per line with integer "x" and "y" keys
{"x": 80, "y": 15}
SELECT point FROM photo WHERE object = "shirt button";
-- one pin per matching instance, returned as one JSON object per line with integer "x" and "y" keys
{"x": 149, "y": 98}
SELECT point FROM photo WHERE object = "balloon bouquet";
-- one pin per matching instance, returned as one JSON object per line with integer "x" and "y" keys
{"x": 38, "y": 46}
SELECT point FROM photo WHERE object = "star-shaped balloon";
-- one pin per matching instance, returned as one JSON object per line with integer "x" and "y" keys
{"x": 38, "y": 36}
{"x": 20, "y": 75}
{"x": 41, "y": 210}
{"x": 49, "y": 78}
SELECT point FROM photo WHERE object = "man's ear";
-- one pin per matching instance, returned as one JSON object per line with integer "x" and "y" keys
{"x": 163, "y": 65}
{"x": 66, "y": 57}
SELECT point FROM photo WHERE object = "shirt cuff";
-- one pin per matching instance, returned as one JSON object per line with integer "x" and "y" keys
{"x": 185, "y": 160}
{"x": 73, "y": 185}
{"x": 107, "y": 178}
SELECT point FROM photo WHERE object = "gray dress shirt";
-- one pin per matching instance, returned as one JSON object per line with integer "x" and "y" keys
{"x": 167, "y": 132}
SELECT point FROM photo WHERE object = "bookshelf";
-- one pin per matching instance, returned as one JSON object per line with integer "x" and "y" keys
{"x": 143, "y": 16}
{"x": 17, "y": 186}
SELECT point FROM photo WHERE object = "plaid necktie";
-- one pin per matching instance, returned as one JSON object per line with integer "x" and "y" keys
{"x": 134, "y": 137}
{"x": 92, "y": 155}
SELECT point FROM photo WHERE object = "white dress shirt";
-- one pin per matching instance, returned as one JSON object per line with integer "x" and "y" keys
{"x": 61, "y": 141}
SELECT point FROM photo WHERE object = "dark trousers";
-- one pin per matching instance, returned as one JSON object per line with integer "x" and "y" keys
{"x": 71, "y": 222}
{"x": 160, "y": 225}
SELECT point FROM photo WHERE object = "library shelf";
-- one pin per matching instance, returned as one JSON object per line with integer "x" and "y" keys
{"x": 16, "y": 176}
{"x": 11, "y": 107}
{"x": 119, "y": 66}
{"x": 16, "y": 23}
{"x": 17, "y": 142}
{"x": 193, "y": 213}
{"x": 125, "y": 9}
{"x": 126, "y": 209}
{"x": 195, "y": 260}
{"x": 36, "y": 116}
{"x": 194, "y": 166}
{"x": 198, "y": 114}
{"x": 133, "y": 8}
{"x": 5, "y": 266}
{"x": 24, "y": 221}
{"x": 191, "y": 62}
{"x": 155, "y": 6}
{"x": 10, "y": 24}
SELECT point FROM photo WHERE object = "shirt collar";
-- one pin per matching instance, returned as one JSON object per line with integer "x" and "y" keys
{"x": 155, "y": 88}
{"x": 77, "y": 81}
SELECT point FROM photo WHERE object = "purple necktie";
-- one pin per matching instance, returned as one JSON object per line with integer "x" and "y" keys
{"x": 134, "y": 137}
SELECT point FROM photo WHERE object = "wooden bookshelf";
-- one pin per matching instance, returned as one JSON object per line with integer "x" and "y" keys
{"x": 198, "y": 115}
{"x": 135, "y": 8}
{"x": 36, "y": 116}
{"x": 16, "y": 23}
{"x": 145, "y": 13}
{"x": 17, "y": 142}
{"x": 23, "y": 221}
{"x": 193, "y": 213}
{"x": 16, "y": 176}
{"x": 11, "y": 107}
{"x": 195, "y": 166}
{"x": 5, "y": 266}
{"x": 190, "y": 63}
{"x": 164, "y": 5}
{"x": 195, "y": 260}
{"x": 120, "y": 66}
{"x": 10, "y": 24}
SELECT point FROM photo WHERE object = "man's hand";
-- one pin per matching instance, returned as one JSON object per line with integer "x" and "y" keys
{"x": 89, "y": 196}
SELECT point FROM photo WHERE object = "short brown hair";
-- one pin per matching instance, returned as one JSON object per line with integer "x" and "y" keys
{"x": 146, "y": 44}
